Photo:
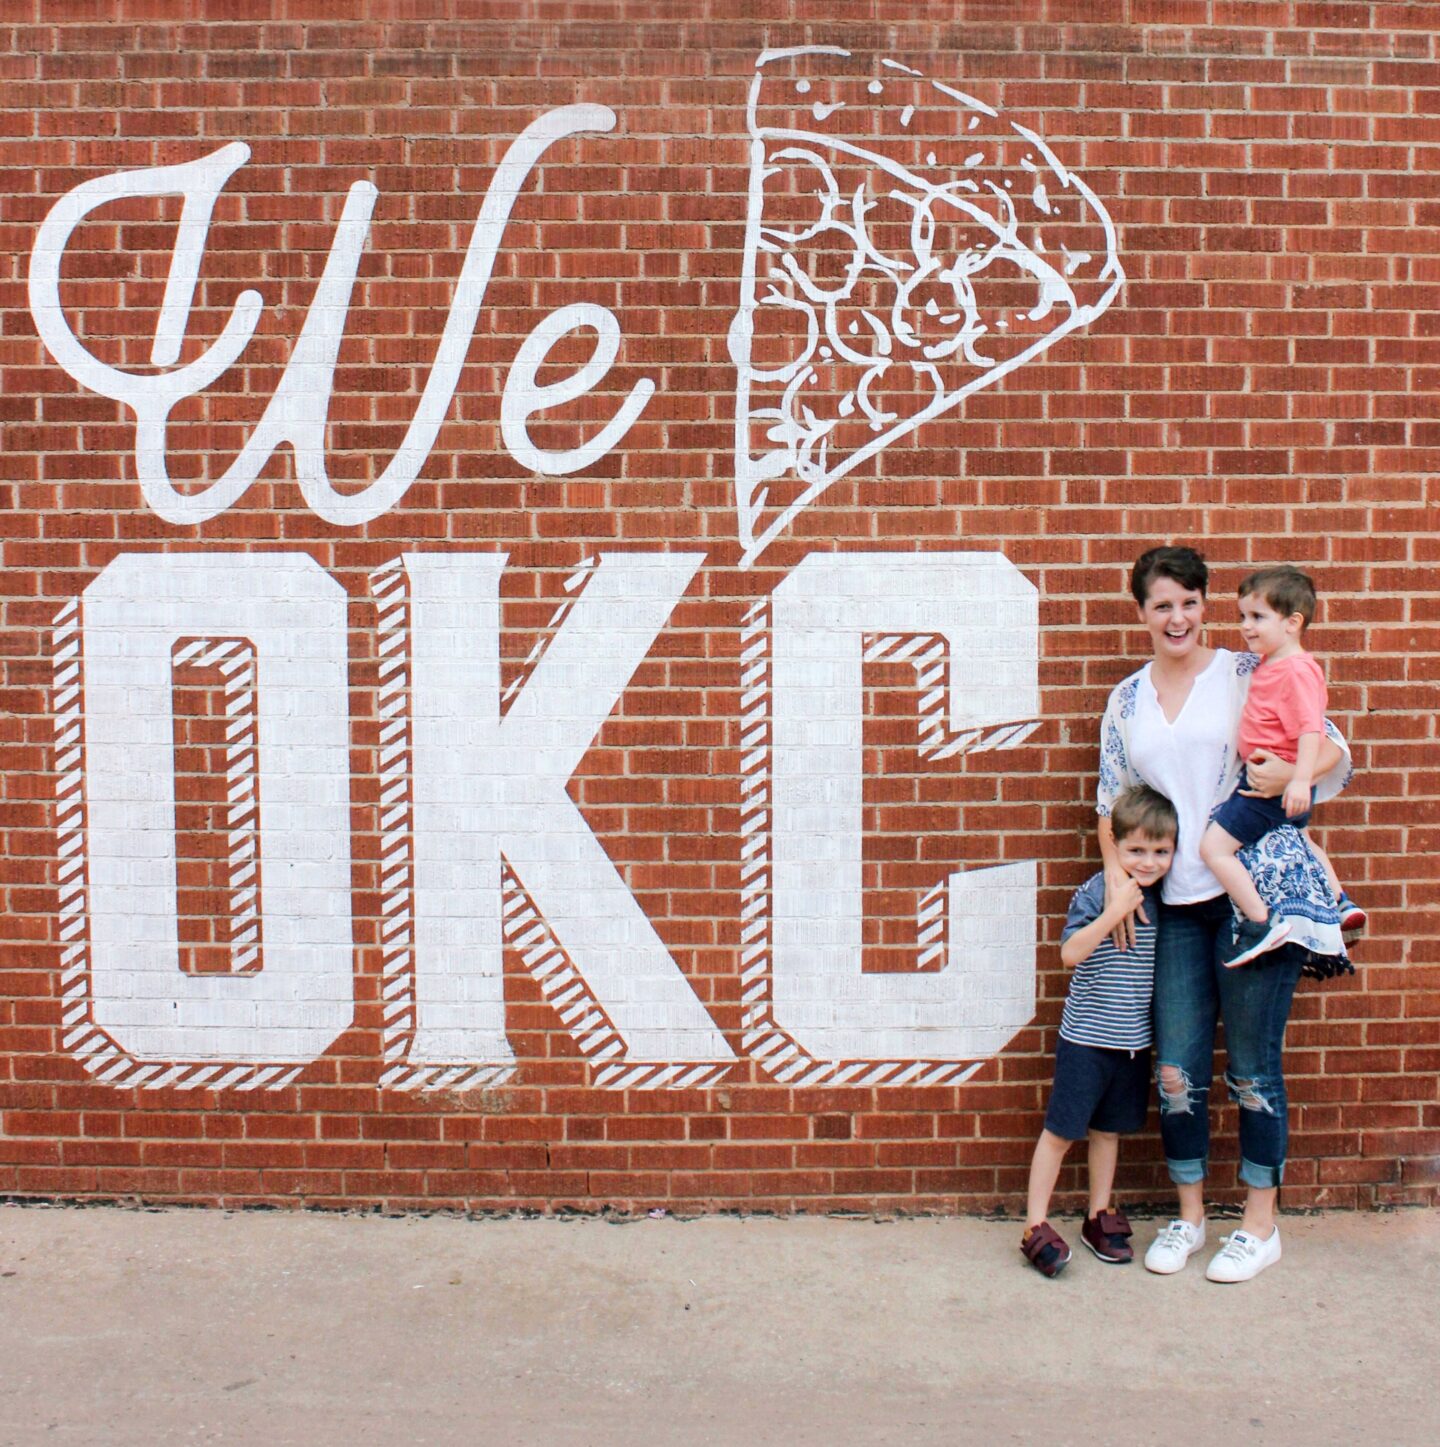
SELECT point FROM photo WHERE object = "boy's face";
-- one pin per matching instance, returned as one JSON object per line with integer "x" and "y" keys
{"x": 1265, "y": 630}
{"x": 1145, "y": 859}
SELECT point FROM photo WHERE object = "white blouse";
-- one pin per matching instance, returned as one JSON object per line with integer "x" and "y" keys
{"x": 1184, "y": 761}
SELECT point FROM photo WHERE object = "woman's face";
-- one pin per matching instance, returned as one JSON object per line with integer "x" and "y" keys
{"x": 1174, "y": 616}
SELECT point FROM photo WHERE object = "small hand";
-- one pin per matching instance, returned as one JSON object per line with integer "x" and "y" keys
{"x": 1266, "y": 774}
{"x": 1129, "y": 897}
{"x": 1119, "y": 887}
{"x": 1297, "y": 798}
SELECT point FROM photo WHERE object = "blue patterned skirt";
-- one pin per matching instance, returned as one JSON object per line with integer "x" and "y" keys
{"x": 1294, "y": 886}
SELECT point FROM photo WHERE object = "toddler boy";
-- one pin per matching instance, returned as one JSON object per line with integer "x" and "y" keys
{"x": 1285, "y": 713}
{"x": 1102, "y": 1059}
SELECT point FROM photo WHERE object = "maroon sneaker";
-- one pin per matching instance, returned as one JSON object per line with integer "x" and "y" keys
{"x": 1045, "y": 1249}
{"x": 1108, "y": 1237}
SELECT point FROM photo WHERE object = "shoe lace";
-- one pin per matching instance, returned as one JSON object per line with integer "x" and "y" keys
{"x": 1176, "y": 1233}
{"x": 1238, "y": 1247}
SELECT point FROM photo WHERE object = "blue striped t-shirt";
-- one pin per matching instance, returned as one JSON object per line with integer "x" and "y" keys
{"x": 1110, "y": 993}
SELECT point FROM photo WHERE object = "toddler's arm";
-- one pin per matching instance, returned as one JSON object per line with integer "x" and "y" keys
{"x": 1297, "y": 791}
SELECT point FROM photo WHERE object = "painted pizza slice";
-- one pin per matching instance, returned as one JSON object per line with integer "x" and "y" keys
{"x": 905, "y": 246}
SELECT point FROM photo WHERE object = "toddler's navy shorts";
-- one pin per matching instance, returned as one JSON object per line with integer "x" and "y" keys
{"x": 1248, "y": 820}
{"x": 1098, "y": 1089}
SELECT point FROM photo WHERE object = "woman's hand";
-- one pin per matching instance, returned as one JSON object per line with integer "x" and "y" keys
{"x": 1267, "y": 774}
{"x": 1120, "y": 887}
{"x": 1128, "y": 899}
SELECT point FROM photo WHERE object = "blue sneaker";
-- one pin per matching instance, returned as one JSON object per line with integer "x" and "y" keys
{"x": 1253, "y": 939}
{"x": 1353, "y": 919}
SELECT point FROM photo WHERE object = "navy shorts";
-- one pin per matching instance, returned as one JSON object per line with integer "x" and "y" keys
{"x": 1250, "y": 820}
{"x": 1098, "y": 1089}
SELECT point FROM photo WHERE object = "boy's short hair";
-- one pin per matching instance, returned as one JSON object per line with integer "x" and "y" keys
{"x": 1285, "y": 588}
{"x": 1142, "y": 810}
{"x": 1181, "y": 565}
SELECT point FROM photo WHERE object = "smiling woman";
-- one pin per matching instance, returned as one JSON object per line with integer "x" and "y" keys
{"x": 1173, "y": 725}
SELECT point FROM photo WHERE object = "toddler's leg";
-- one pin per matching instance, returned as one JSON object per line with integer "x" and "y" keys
{"x": 1218, "y": 849}
{"x": 1044, "y": 1172}
{"x": 1325, "y": 864}
{"x": 1104, "y": 1154}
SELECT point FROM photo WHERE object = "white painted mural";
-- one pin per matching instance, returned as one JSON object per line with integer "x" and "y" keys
{"x": 498, "y": 851}
{"x": 968, "y": 622}
{"x": 131, "y": 1013}
{"x": 891, "y": 226}
{"x": 298, "y": 411}
{"x": 893, "y": 221}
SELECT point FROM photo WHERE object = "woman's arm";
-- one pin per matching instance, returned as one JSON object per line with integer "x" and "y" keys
{"x": 1116, "y": 776}
{"x": 1116, "y": 880}
{"x": 1269, "y": 774}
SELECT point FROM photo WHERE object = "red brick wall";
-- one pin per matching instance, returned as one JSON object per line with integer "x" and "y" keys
{"x": 1264, "y": 385}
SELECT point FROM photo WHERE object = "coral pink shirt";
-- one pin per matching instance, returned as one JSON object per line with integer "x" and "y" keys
{"x": 1286, "y": 699}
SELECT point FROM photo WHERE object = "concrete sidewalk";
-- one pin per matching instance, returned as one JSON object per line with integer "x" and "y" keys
{"x": 121, "y": 1326}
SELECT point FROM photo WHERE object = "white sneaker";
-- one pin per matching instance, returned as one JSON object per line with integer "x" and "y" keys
{"x": 1173, "y": 1247}
{"x": 1243, "y": 1256}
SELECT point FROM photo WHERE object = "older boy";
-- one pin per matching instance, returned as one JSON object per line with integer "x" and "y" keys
{"x": 1102, "y": 1059}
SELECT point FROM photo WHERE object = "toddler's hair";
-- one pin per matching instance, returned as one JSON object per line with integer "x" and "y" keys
{"x": 1285, "y": 588}
{"x": 1181, "y": 565}
{"x": 1143, "y": 811}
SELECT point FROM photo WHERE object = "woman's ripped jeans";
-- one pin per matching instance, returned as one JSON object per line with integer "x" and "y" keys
{"x": 1192, "y": 990}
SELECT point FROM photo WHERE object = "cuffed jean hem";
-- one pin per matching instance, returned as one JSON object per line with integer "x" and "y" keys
{"x": 1259, "y": 1178}
{"x": 1189, "y": 1173}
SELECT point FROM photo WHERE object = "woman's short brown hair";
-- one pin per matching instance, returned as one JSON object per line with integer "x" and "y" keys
{"x": 1181, "y": 565}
